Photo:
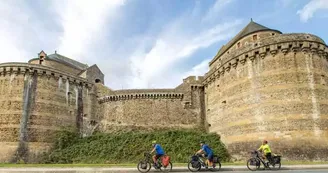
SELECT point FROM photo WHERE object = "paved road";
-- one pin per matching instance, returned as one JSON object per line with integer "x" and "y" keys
{"x": 133, "y": 170}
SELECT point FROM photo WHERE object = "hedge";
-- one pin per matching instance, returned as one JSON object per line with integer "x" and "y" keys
{"x": 129, "y": 147}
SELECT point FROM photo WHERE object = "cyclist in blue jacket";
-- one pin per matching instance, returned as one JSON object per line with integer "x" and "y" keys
{"x": 208, "y": 153}
{"x": 159, "y": 152}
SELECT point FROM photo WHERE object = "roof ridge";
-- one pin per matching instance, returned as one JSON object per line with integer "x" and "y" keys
{"x": 70, "y": 61}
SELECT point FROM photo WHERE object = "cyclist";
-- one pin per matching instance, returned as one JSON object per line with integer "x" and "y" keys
{"x": 208, "y": 153}
{"x": 159, "y": 152}
{"x": 265, "y": 148}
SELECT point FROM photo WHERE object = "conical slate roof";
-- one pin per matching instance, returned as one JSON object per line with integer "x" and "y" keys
{"x": 250, "y": 28}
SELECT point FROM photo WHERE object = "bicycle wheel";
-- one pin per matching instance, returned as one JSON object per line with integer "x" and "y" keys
{"x": 144, "y": 166}
{"x": 253, "y": 164}
{"x": 167, "y": 168}
{"x": 194, "y": 166}
{"x": 216, "y": 167}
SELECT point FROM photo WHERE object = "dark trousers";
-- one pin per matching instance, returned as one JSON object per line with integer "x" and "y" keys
{"x": 268, "y": 157}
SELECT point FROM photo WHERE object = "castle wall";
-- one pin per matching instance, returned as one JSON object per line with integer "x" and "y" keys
{"x": 11, "y": 103}
{"x": 152, "y": 109}
{"x": 276, "y": 91}
{"x": 38, "y": 101}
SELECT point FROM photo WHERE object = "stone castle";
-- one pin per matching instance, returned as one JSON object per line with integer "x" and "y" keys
{"x": 262, "y": 84}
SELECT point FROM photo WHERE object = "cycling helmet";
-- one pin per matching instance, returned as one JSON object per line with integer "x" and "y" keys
{"x": 153, "y": 142}
{"x": 265, "y": 141}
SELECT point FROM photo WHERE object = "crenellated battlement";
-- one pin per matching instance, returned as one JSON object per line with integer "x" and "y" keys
{"x": 131, "y": 96}
{"x": 142, "y": 91}
{"x": 25, "y": 68}
{"x": 266, "y": 41}
{"x": 285, "y": 43}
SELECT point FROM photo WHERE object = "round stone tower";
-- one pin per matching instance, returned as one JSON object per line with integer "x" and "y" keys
{"x": 267, "y": 85}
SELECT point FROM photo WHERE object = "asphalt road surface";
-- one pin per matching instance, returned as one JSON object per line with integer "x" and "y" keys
{"x": 93, "y": 170}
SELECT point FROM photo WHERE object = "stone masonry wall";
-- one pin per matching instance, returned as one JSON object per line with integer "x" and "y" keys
{"x": 152, "y": 109}
{"x": 94, "y": 73}
{"x": 37, "y": 102}
{"x": 277, "y": 91}
{"x": 11, "y": 103}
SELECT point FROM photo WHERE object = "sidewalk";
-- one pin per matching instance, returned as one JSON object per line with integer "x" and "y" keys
{"x": 175, "y": 169}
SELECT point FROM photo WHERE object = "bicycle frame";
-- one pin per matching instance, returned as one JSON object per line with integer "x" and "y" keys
{"x": 260, "y": 158}
{"x": 148, "y": 157}
{"x": 202, "y": 160}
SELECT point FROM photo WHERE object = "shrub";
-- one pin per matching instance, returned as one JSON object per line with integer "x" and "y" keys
{"x": 129, "y": 147}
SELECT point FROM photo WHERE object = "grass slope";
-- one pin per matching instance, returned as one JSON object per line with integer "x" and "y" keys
{"x": 129, "y": 147}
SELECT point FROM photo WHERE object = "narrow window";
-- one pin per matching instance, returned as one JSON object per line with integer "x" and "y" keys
{"x": 254, "y": 37}
{"x": 273, "y": 34}
{"x": 238, "y": 45}
{"x": 41, "y": 60}
{"x": 98, "y": 81}
{"x": 69, "y": 96}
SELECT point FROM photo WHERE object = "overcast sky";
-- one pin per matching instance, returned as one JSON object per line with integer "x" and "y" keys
{"x": 145, "y": 43}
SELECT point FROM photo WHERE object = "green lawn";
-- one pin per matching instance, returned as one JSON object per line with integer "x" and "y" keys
{"x": 131, "y": 165}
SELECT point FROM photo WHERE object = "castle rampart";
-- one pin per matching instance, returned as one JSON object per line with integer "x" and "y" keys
{"x": 37, "y": 101}
{"x": 275, "y": 90}
{"x": 150, "y": 109}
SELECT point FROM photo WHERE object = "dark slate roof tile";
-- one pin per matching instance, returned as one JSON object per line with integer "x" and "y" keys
{"x": 62, "y": 59}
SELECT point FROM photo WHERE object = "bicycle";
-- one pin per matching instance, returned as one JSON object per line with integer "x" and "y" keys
{"x": 146, "y": 164}
{"x": 198, "y": 161}
{"x": 256, "y": 161}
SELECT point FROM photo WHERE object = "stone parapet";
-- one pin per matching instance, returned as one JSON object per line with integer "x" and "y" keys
{"x": 151, "y": 95}
{"x": 138, "y": 91}
{"x": 283, "y": 38}
{"x": 284, "y": 43}
{"x": 23, "y": 68}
